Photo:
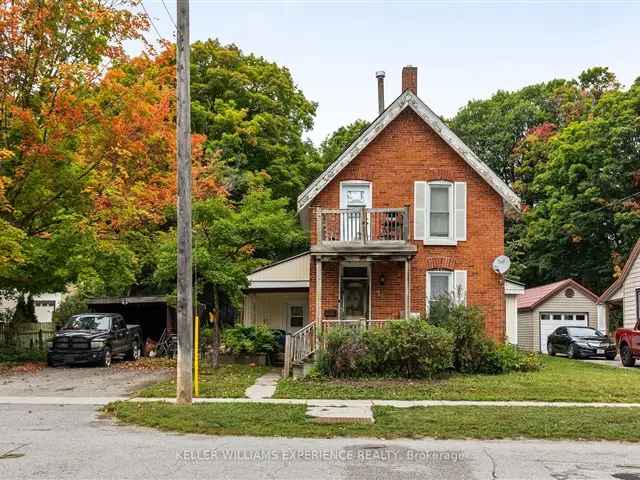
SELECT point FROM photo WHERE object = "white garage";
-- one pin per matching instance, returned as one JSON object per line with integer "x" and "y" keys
{"x": 543, "y": 309}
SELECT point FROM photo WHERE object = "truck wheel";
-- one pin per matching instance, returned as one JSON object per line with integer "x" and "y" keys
{"x": 50, "y": 362}
{"x": 106, "y": 357}
{"x": 134, "y": 352}
{"x": 626, "y": 357}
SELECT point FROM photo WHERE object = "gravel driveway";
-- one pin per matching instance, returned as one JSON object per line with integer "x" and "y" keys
{"x": 79, "y": 382}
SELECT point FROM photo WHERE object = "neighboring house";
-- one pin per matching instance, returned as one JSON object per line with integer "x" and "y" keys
{"x": 278, "y": 295}
{"x": 624, "y": 293}
{"x": 44, "y": 305}
{"x": 543, "y": 309}
{"x": 405, "y": 214}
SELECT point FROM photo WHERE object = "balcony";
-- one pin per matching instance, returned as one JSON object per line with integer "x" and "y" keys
{"x": 370, "y": 231}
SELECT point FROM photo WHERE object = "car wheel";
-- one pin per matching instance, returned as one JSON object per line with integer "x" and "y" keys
{"x": 50, "y": 362}
{"x": 571, "y": 353}
{"x": 134, "y": 353}
{"x": 106, "y": 357}
{"x": 626, "y": 357}
{"x": 610, "y": 356}
{"x": 550, "y": 349}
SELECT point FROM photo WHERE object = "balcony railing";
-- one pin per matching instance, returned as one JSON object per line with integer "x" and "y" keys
{"x": 363, "y": 225}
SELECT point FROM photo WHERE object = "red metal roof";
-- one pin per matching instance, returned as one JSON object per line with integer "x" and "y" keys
{"x": 532, "y": 297}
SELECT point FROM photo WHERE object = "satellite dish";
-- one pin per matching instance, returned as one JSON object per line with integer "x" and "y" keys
{"x": 501, "y": 264}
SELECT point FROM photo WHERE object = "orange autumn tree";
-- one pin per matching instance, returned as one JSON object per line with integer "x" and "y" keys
{"x": 52, "y": 56}
{"x": 133, "y": 147}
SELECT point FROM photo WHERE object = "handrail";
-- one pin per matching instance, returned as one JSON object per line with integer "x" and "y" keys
{"x": 299, "y": 346}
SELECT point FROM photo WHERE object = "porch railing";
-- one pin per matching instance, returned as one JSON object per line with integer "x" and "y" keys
{"x": 363, "y": 225}
{"x": 299, "y": 346}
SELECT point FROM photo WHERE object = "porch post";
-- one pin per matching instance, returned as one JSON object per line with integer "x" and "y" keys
{"x": 407, "y": 288}
{"x": 318, "y": 301}
{"x": 602, "y": 310}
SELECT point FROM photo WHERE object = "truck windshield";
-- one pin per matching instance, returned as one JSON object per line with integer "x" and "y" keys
{"x": 88, "y": 322}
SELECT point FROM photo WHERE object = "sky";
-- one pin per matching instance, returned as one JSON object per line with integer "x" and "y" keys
{"x": 464, "y": 49}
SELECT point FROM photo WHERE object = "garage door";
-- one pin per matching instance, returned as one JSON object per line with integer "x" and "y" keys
{"x": 549, "y": 321}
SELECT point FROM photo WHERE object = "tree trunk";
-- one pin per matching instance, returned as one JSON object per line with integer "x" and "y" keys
{"x": 215, "y": 337}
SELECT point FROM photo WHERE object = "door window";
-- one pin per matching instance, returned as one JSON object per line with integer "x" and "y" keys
{"x": 354, "y": 292}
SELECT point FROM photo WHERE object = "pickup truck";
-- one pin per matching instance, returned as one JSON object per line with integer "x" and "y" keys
{"x": 94, "y": 338}
{"x": 628, "y": 342}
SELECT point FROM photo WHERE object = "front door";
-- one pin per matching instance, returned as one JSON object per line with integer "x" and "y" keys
{"x": 353, "y": 198}
{"x": 354, "y": 292}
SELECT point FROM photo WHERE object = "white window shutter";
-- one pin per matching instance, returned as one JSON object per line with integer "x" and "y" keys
{"x": 419, "y": 210}
{"x": 460, "y": 286}
{"x": 461, "y": 210}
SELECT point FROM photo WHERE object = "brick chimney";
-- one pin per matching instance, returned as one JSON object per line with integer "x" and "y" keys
{"x": 410, "y": 79}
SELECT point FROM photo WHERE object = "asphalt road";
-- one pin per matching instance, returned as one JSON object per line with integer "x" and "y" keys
{"x": 73, "y": 442}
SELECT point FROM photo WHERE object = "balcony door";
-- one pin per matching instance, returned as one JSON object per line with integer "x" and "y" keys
{"x": 353, "y": 197}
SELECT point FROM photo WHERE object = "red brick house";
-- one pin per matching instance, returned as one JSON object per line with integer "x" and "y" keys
{"x": 407, "y": 212}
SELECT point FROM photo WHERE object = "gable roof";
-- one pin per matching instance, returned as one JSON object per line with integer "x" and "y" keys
{"x": 533, "y": 297}
{"x": 615, "y": 286}
{"x": 408, "y": 99}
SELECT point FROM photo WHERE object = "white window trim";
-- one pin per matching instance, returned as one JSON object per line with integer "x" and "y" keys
{"x": 356, "y": 183}
{"x": 451, "y": 239}
{"x": 450, "y": 275}
{"x": 304, "y": 316}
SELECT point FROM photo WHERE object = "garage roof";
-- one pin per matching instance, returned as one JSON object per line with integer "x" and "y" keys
{"x": 533, "y": 297}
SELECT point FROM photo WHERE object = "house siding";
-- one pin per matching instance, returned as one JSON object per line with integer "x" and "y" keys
{"x": 525, "y": 331}
{"x": 270, "y": 308}
{"x": 408, "y": 150}
{"x": 631, "y": 283}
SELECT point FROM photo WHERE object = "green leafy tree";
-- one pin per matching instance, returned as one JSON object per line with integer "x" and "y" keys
{"x": 333, "y": 145}
{"x": 254, "y": 117}
{"x": 585, "y": 218}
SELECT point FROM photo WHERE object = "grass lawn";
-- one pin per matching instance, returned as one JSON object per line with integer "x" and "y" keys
{"x": 561, "y": 379}
{"x": 438, "y": 422}
{"x": 228, "y": 381}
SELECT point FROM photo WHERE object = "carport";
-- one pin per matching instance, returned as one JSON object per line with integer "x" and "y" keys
{"x": 152, "y": 313}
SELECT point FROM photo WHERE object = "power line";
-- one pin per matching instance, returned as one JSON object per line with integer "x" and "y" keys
{"x": 169, "y": 14}
{"x": 153, "y": 24}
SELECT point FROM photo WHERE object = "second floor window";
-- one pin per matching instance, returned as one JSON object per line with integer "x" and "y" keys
{"x": 440, "y": 211}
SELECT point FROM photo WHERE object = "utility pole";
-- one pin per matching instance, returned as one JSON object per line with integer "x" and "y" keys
{"x": 184, "y": 384}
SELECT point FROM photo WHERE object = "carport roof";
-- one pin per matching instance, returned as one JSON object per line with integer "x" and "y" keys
{"x": 126, "y": 300}
{"x": 532, "y": 297}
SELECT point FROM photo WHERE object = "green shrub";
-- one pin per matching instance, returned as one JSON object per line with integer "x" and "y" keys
{"x": 344, "y": 353}
{"x": 12, "y": 354}
{"x": 249, "y": 339}
{"x": 471, "y": 344}
{"x": 409, "y": 348}
{"x": 404, "y": 348}
{"x": 508, "y": 358}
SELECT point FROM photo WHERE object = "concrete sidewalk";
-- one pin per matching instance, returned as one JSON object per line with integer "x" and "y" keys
{"x": 32, "y": 400}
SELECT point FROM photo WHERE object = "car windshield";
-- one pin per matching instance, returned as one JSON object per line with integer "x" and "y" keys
{"x": 88, "y": 322}
{"x": 584, "y": 332}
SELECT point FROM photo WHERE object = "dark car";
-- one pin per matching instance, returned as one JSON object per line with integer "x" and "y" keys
{"x": 581, "y": 342}
{"x": 94, "y": 338}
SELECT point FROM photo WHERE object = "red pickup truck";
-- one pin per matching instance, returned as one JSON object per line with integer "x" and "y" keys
{"x": 628, "y": 342}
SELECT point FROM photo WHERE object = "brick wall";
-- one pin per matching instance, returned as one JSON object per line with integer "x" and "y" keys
{"x": 406, "y": 151}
